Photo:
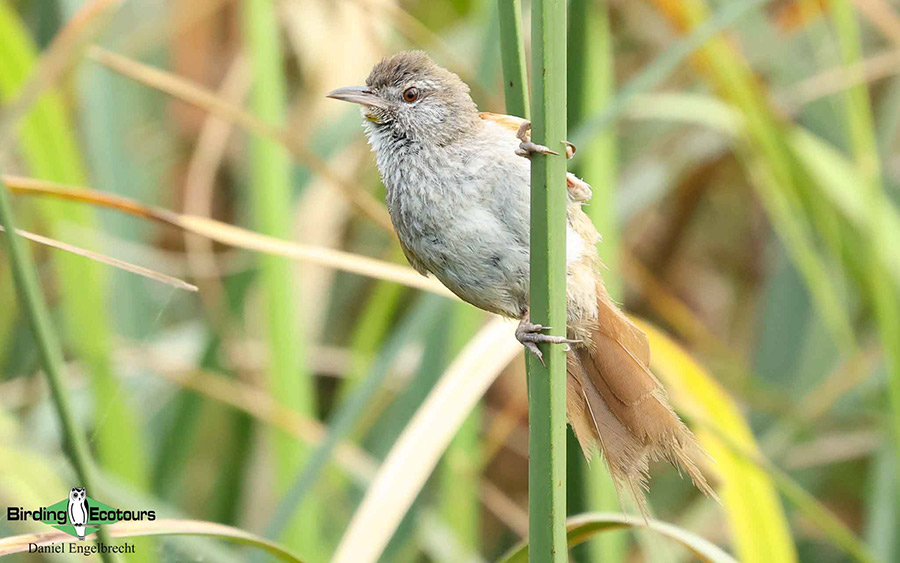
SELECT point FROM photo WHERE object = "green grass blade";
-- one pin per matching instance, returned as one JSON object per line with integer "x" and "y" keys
{"x": 663, "y": 66}
{"x": 51, "y": 355}
{"x": 162, "y": 527}
{"x": 348, "y": 413}
{"x": 460, "y": 501}
{"x": 50, "y": 152}
{"x": 585, "y": 526}
{"x": 881, "y": 516}
{"x": 882, "y": 293}
{"x": 591, "y": 88}
{"x": 269, "y": 190}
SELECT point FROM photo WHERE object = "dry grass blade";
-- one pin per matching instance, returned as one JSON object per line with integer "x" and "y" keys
{"x": 882, "y": 16}
{"x": 420, "y": 446}
{"x": 196, "y": 95}
{"x": 199, "y": 189}
{"x": 109, "y": 261}
{"x": 422, "y": 37}
{"x": 160, "y": 527}
{"x": 841, "y": 78}
{"x": 242, "y": 238}
{"x": 234, "y": 236}
{"x": 504, "y": 508}
{"x": 66, "y": 45}
{"x": 31, "y": 186}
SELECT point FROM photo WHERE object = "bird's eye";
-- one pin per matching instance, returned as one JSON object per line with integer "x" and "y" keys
{"x": 411, "y": 94}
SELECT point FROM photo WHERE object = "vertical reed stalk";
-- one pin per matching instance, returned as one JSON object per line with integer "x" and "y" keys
{"x": 547, "y": 381}
{"x": 512, "y": 56}
{"x": 591, "y": 83}
{"x": 270, "y": 196}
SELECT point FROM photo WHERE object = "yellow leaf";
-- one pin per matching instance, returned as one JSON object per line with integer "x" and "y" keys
{"x": 756, "y": 518}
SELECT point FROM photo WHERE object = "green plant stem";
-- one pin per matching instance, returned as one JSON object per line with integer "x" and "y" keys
{"x": 348, "y": 413}
{"x": 271, "y": 196}
{"x": 547, "y": 379}
{"x": 49, "y": 349}
{"x": 664, "y": 65}
{"x": 460, "y": 475}
{"x": 591, "y": 84}
{"x": 512, "y": 55}
{"x": 882, "y": 294}
{"x": 50, "y": 151}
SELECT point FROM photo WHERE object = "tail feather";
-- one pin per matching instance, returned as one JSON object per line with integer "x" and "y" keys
{"x": 616, "y": 405}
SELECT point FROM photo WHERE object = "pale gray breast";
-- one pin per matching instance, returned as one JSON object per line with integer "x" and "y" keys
{"x": 462, "y": 213}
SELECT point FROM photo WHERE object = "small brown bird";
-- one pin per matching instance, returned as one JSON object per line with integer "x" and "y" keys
{"x": 458, "y": 194}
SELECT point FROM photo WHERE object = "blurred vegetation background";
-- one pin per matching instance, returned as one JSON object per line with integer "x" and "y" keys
{"x": 745, "y": 165}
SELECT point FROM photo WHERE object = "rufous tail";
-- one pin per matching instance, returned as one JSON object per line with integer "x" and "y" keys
{"x": 616, "y": 405}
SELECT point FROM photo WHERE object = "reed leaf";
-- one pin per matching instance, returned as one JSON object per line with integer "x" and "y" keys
{"x": 583, "y": 527}
{"x": 50, "y": 152}
{"x": 51, "y": 356}
{"x": 512, "y": 57}
{"x": 269, "y": 194}
{"x": 160, "y": 527}
{"x": 107, "y": 260}
{"x": 756, "y": 518}
{"x": 417, "y": 451}
{"x": 231, "y": 235}
{"x": 883, "y": 295}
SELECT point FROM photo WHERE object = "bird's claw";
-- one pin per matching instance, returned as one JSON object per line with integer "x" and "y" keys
{"x": 530, "y": 335}
{"x": 527, "y": 148}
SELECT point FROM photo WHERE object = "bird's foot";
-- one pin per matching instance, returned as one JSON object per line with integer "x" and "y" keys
{"x": 527, "y": 148}
{"x": 579, "y": 190}
{"x": 530, "y": 335}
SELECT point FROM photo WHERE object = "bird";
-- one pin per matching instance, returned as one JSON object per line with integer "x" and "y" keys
{"x": 457, "y": 190}
{"x": 77, "y": 509}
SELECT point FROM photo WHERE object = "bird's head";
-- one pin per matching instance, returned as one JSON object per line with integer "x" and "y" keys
{"x": 408, "y": 99}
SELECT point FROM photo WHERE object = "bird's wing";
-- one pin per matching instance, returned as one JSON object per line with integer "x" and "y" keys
{"x": 579, "y": 190}
{"x": 510, "y": 122}
{"x": 413, "y": 260}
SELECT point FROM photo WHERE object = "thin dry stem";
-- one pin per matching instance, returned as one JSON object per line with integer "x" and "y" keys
{"x": 209, "y": 101}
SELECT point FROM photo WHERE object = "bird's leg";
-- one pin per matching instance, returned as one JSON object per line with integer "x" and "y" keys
{"x": 526, "y": 147}
{"x": 530, "y": 335}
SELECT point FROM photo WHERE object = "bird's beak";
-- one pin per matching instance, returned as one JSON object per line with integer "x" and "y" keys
{"x": 357, "y": 95}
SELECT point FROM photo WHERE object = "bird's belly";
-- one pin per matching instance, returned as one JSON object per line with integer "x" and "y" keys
{"x": 478, "y": 258}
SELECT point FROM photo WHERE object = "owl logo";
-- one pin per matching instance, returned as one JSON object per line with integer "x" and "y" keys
{"x": 78, "y": 510}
